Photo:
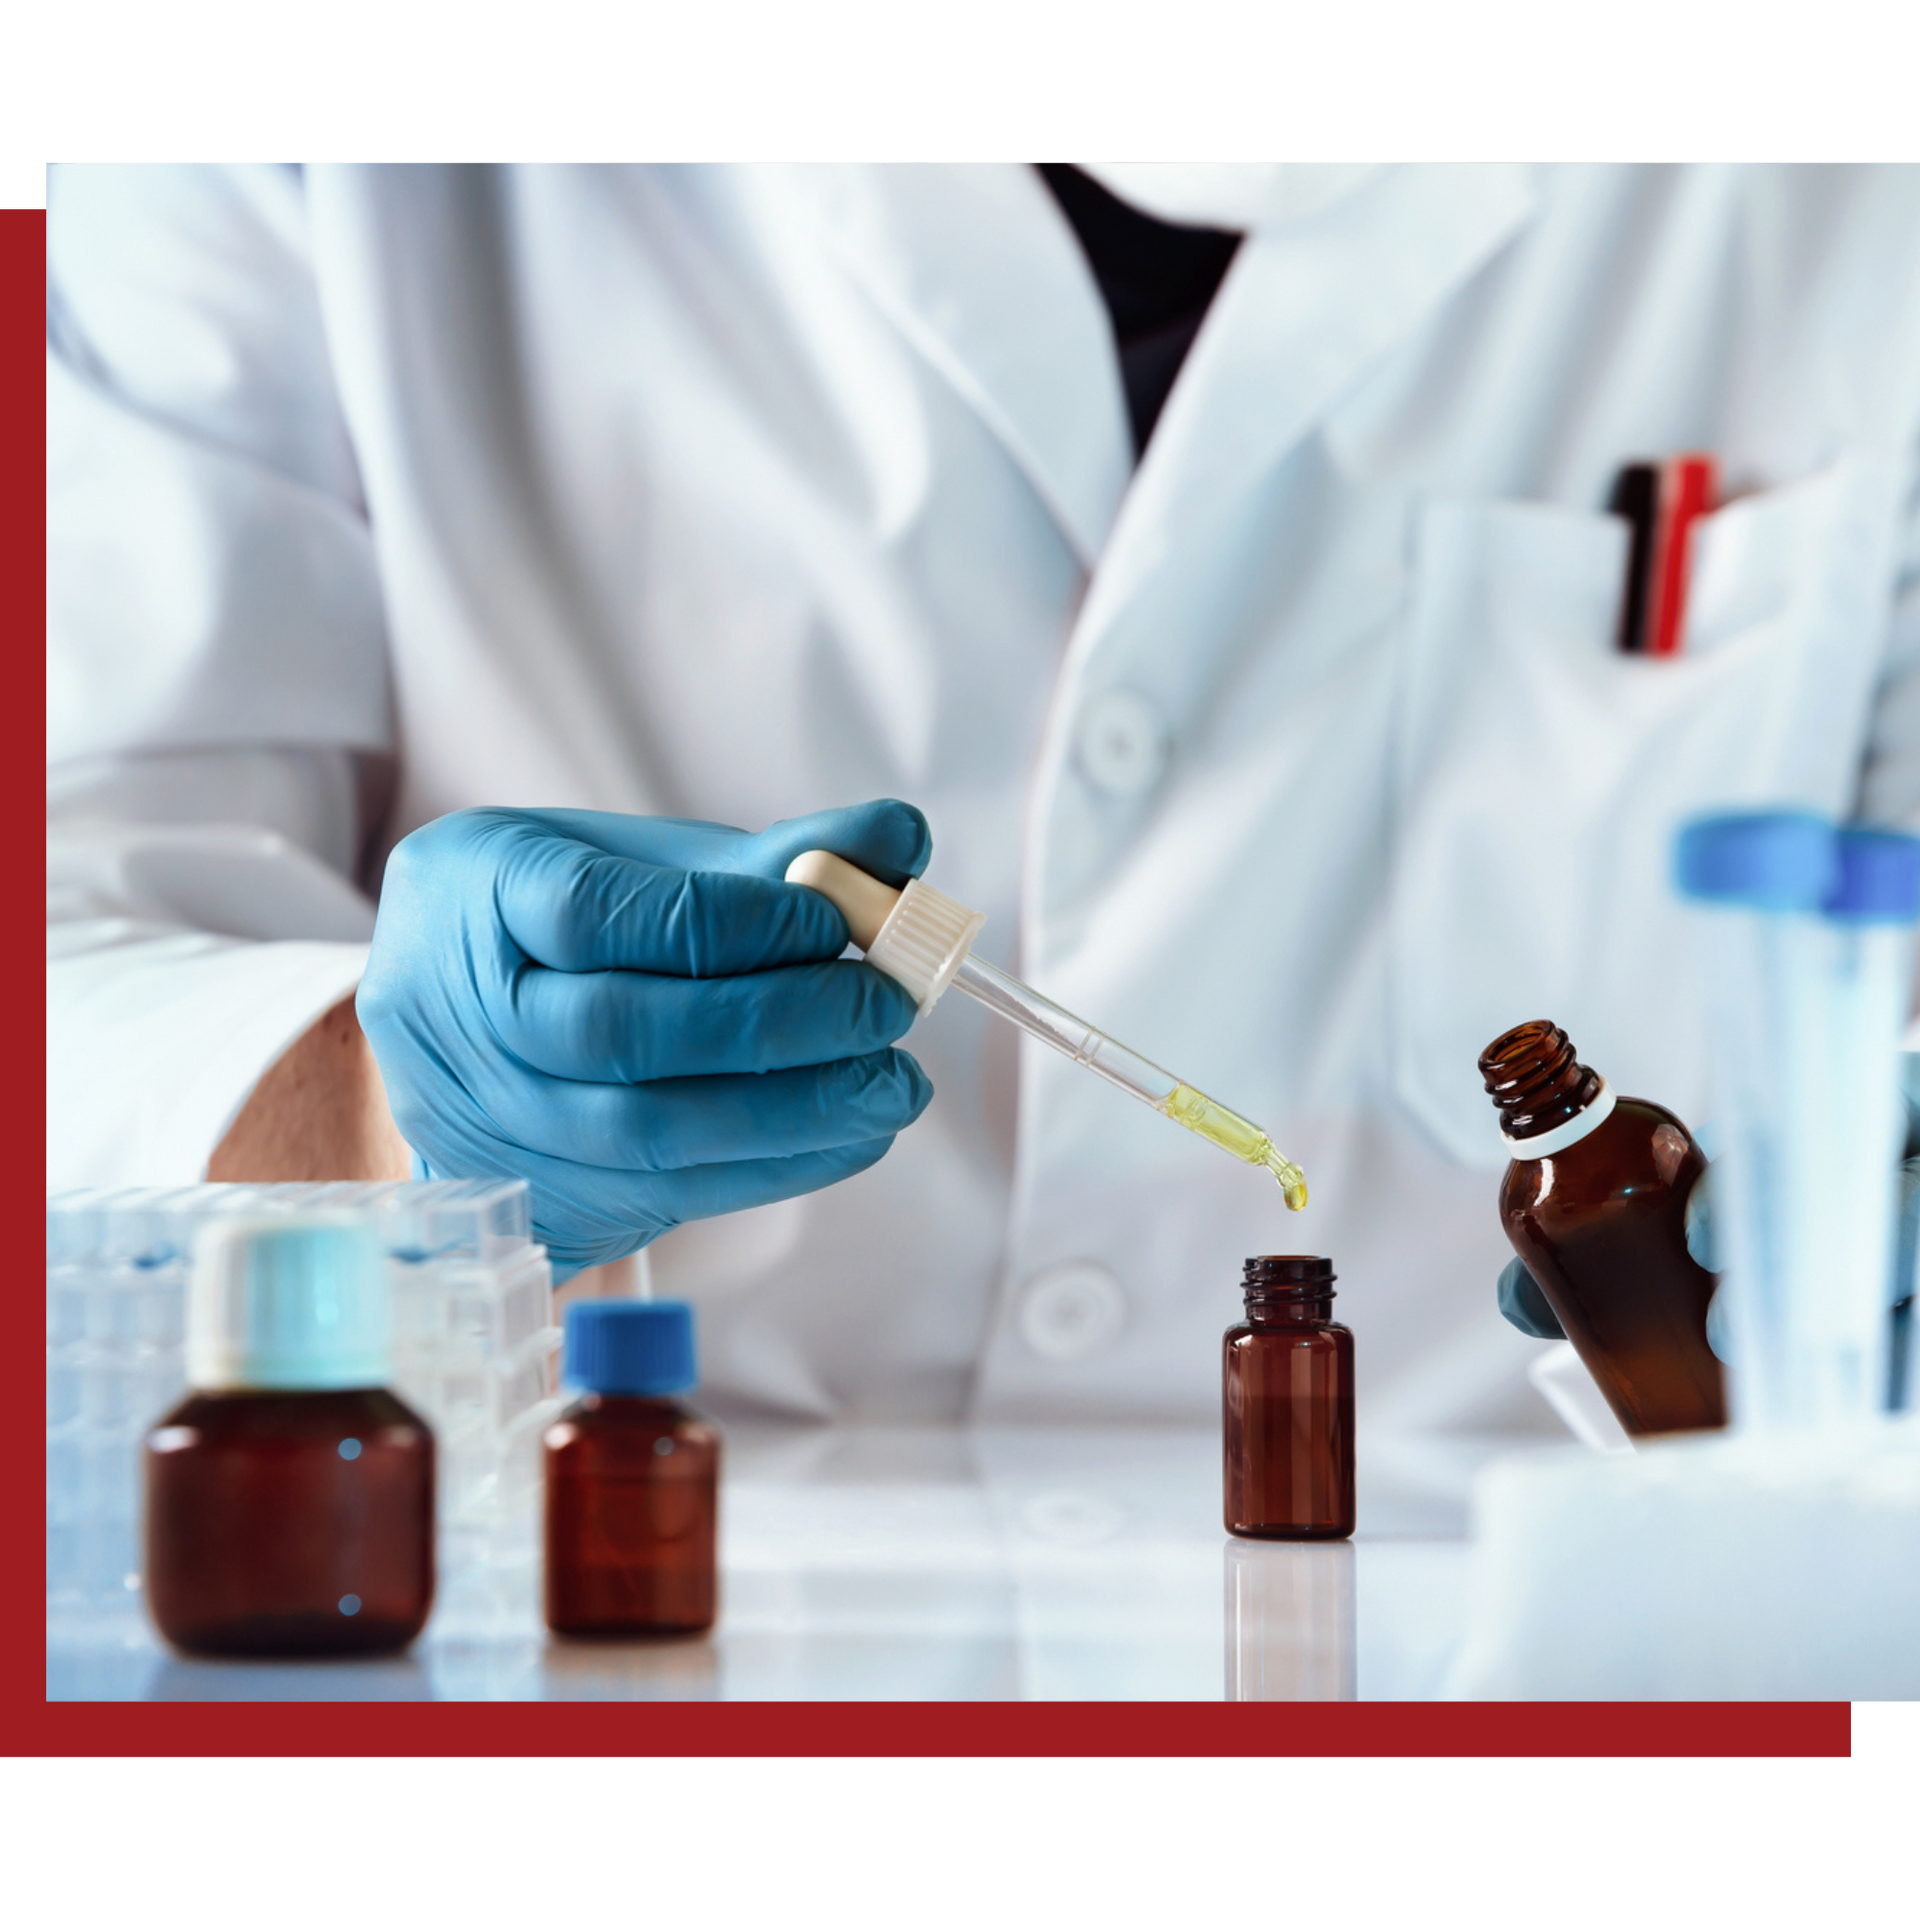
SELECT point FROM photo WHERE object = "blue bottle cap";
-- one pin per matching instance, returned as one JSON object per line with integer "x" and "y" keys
{"x": 638, "y": 1347}
{"x": 1777, "y": 862}
{"x": 287, "y": 1302}
{"x": 1879, "y": 878}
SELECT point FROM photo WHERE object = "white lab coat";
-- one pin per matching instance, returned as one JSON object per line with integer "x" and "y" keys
{"x": 1300, "y": 759}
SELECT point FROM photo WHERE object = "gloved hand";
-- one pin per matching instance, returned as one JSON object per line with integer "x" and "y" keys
{"x": 638, "y": 1016}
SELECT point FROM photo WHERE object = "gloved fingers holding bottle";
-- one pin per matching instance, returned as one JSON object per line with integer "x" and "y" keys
{"x": 637, "y": 1015}
{"x": 1525, "y": 1306}
{"x": 1701, "y": 1249}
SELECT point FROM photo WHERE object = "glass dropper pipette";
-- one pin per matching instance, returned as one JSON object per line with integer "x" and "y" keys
{"x": 923, "y": 940}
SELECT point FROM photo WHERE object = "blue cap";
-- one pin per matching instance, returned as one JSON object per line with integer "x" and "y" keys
{"x": 638, "y": 1347}
{"x": 1879, "y": 876}
{"x": 1778, "y": 862}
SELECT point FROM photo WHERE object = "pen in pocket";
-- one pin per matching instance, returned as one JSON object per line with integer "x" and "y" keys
{"x": 1660, "y": 501}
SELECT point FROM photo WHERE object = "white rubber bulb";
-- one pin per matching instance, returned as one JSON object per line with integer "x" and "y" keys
{"x": 864, "y": 902}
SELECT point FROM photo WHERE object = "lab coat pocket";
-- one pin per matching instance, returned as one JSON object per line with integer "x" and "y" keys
{"x": 1540, "y": 773}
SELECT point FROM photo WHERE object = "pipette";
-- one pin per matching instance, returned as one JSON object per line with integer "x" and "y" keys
{"x": 924, "y": 940}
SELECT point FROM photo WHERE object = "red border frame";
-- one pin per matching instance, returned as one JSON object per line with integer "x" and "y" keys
{"x": 33, "y": 1725}
{"x": 23, "y": 599}
{"x": 1178, "y": 1728}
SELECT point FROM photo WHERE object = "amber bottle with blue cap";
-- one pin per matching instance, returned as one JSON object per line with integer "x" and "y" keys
{"x": 289, "y": 1497}
{"x": 632, "y": 1478}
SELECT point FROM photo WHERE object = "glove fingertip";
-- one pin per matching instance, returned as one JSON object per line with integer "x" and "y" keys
{"x": 1719, "y": 1335}
{"x": 1524, "y": 1306}
{"x": 918, "y": 1079}
{"x": 889, "y": 838}
{"x": 1699, "y": 1224}
{"x": 861, "y": 1155}
{"x": 916, "y": 836}
{"x": 893, "y": 1089}
{"x": 891, "y": 1010}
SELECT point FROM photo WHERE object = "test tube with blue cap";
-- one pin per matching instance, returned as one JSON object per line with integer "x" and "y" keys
{"x": 1870, "y": 917}
{"x": 1808, "y": 944}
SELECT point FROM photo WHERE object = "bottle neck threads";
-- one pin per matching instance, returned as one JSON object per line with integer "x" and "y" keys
{"x": 1535, "y": 1079}
{"x": 1287, "y": 1287}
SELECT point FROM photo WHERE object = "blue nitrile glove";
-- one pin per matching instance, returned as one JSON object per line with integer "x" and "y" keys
{"x": 639, "y": 1017}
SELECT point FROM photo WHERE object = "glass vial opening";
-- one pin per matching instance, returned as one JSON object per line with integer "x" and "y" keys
{"x": 1536, "y": 1081}
{"x": 1286, "y": 1279}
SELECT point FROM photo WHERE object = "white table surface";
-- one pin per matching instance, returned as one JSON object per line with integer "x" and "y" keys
{"x": 969, "y": 1564}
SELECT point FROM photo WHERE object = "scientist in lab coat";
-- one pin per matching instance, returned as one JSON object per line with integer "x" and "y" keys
{"x": 1237, "y": 610}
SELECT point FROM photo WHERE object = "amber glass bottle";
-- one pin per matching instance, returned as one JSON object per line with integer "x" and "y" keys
{"x": 1595, "y": 1204}
{"x": 282, "y": 1523}
{"x": 1287, "y": 1396}
{"x": 632, "y": 1478}
{"x": 289, "y": 1497}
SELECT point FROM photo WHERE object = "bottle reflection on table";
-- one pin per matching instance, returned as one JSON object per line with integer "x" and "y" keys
{"x": 1290, "y": 1620}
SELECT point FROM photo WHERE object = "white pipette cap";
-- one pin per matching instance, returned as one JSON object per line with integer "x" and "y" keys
{"x": 917, "y": 936}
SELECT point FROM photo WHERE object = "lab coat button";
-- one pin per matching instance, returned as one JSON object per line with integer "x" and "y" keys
{"x": 1122, "y": 742}
{"x": 1072, "y": 1311}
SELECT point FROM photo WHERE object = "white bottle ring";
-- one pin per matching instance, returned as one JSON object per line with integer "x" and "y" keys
{"x": 1539, "y": 1145}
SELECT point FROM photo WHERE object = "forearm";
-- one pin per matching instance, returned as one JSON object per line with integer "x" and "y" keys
{"x": 318, "y": 1113}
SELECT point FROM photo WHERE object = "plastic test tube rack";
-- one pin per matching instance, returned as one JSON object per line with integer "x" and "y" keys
{"x": 476, "y": 1353}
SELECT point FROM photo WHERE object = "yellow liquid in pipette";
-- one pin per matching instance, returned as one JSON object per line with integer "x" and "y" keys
{"x": 1224, "y": 1128}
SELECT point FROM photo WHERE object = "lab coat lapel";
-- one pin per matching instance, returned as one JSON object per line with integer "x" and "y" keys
{"x": 1308, "y": 304}
{"x": 981, "y": 273}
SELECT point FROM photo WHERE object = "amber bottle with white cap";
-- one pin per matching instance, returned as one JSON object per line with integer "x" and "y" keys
{"x": 289, "y": 1497}
{"x": 1595, "y": 1205}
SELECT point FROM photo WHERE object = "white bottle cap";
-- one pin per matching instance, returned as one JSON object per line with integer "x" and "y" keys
{"x": 293, "y": 1302}
{"x": 917, "y": 936}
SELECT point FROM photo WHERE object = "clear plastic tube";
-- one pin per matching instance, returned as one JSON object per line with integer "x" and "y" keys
{"x": 1807, "y": 936}
{"x": 1772, "y": 1207}
{"x": 1166, "y": 1093}
{"x": 1870, "y": 980}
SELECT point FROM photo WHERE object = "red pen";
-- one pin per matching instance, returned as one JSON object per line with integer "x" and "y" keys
{"x": 1660, "y": 503}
